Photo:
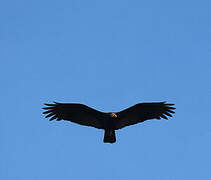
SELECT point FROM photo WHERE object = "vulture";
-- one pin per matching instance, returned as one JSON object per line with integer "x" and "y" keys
{"x": 108, "y": 121}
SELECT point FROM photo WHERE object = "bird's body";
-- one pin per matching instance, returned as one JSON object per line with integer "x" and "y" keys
{"x": 110, "y": 125}
{"x": 84, "y": 115}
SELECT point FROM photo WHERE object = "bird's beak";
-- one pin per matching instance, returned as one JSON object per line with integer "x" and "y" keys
{"x": 113, "y": 115}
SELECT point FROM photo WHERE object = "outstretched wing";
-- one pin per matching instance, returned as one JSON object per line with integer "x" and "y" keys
{"x": 142, "y": 112}
{"x": 77, "y": 113}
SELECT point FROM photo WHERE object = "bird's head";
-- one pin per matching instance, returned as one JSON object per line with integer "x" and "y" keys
{"x": 113, "y": 115}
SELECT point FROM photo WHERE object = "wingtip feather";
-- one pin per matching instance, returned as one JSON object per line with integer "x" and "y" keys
{"x": 49, "y": 111}
{"x": 164, "y": 117}
{"x": 168, "y": 114}
{"x": 51, "y": 114}
{"x": 49, "y": 104}
{"x": 54, "y": 117}
{"x": 170, "y": 111}
{"x": 170, "y": 104}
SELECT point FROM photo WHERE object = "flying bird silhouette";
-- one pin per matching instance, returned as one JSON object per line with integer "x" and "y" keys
{"x": 109, "y": 122}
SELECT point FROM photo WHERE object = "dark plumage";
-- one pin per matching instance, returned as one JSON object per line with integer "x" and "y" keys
{"x": 84, "y": 115}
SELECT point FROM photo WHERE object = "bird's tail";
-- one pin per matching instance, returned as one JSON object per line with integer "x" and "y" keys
{"x": 109, "y": 136}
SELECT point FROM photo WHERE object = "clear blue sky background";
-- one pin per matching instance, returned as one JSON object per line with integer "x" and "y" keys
{"x": 108, "y": 55}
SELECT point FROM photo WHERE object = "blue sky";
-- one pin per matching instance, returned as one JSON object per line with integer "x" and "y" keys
{"x": 108, "y": 55}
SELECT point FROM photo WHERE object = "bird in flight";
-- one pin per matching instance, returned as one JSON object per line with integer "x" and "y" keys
{"x": 111, "y": 121}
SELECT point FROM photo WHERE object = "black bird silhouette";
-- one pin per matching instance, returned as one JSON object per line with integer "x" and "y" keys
{"x": 84, "y": 115}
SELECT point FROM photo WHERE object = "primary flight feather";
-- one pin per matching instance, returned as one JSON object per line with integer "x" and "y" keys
{"x": 84, "y": 115}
